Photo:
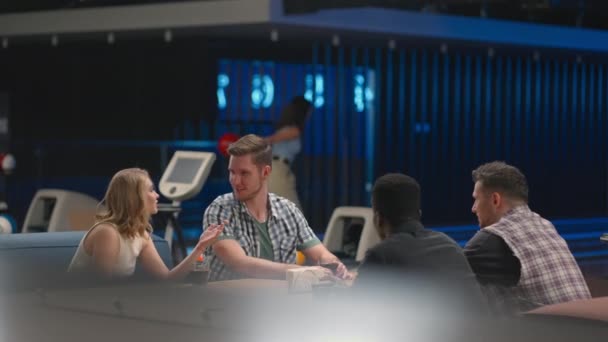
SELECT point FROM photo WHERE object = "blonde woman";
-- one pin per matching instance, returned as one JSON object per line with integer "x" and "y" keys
{"x": 120, "y": 236}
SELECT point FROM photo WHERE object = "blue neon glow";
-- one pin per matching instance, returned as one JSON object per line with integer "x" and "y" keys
{"x": 222, "y": 82}
{"x": 370, "y": 134}
{"x": 363, "y": 94}
{"x": 262, "y": 91}
{"x": 259, "y": 84}
{"x": 315, "y": 86}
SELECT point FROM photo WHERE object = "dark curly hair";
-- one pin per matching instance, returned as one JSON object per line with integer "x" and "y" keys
{"x": 396, "y": 197}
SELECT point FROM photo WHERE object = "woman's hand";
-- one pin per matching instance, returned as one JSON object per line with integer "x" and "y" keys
{"x": 209, "y": 236}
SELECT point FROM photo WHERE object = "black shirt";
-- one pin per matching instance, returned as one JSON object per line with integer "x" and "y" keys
{"x": 423, "y": 262}
{"x": 492, "y": 260}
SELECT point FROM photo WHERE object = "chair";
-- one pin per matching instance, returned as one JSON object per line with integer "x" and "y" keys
{"x": 54, "y": 210}
{"x": 335, "y": 232}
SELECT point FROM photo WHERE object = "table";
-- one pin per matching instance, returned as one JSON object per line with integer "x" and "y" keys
{"x": 275, "y": 286}
{"x": 592, "y": 309}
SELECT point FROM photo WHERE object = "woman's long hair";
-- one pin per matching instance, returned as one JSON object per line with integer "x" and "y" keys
{"x": 295, "y": 113}
{"x": 124, "y": 203}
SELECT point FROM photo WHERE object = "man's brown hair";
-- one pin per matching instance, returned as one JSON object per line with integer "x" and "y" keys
{"x": 260, "y": 150}
{"x": 501, "y": 177}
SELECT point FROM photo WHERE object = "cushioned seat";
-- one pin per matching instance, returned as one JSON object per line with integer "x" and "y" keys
{"x": 40, "y": 260}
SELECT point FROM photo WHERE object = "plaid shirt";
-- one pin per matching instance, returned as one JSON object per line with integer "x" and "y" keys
{"x": 549, "y": 272}
{"x": 287, "y": 228}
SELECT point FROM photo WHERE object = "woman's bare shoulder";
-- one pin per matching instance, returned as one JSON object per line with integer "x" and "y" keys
{"x": 104, "y": 233}
{"x": 104, "y": 230}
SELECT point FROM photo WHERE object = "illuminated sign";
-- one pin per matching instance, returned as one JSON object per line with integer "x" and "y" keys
{"x": 315, "y": 86}
{"x": 222, "y": 82}
{"x": 262, "y": 91}
{"x": 362, "y": 94}
{"x": 244, "y": 85}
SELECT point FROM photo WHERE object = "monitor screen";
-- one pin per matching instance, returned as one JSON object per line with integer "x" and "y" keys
{"x": 185, "y": 170}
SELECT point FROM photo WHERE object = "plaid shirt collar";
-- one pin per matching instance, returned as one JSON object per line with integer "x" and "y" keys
{"x": 521, "y": 209}
{"x": 287, "y": 229}
{"x": 273, "y": 209}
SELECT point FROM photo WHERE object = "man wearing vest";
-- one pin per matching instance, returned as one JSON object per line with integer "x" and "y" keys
{"x": 518, "y": 256}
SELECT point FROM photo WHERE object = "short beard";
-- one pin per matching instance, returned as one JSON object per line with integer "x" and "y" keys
{"x": 252, "y": 195}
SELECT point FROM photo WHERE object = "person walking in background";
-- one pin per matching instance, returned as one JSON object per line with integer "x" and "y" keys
{"x": 286, "y": 144}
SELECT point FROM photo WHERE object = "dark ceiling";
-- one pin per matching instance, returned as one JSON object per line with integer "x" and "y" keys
{"x": 577, "y": 13}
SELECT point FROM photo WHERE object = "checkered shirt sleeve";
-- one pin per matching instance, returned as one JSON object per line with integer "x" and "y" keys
{"x": 219, "y": 211}
{"x": 292, "y": 223}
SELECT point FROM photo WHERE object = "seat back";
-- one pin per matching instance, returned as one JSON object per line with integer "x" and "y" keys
{"x": 54, "y": 210}
{"x": 39, "y": 260}
{"x": 336, "y": 229}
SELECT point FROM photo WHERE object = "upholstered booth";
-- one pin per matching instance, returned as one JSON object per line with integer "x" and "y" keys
{"x": 40, "y": 260}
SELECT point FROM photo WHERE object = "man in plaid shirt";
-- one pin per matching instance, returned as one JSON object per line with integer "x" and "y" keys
{"x": 262, "y": 230}
{"x": 518, "y": 256}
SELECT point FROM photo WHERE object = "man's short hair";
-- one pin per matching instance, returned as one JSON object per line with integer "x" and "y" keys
{"x": 396, "y": 197}
{"x": 500, "y": 177}
{"x": 260, "y": 150}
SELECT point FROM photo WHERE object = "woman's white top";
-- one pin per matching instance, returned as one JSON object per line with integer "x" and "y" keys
{"x": 127, "y": 255}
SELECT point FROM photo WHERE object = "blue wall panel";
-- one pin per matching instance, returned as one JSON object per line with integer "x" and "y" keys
{"x": 456, "y": 110}
{"x": 436, "y": 114}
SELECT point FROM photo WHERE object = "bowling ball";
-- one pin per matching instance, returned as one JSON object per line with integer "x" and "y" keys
{"x": 224, "y": 141}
